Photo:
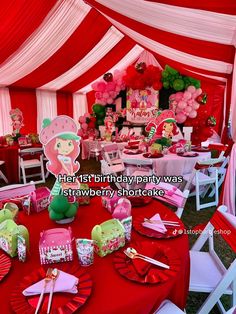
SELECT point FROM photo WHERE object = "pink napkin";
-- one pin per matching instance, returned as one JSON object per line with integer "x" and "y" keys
{"x": 160, "y": 227}
{"x": 64, "y": 283}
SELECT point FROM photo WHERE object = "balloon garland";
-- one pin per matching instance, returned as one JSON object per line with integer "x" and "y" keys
{"x": 109, "y": 87}
{"x": 171, "y": 78}
{"x": 185, "y": 104}
{"x": 142, "y": 76}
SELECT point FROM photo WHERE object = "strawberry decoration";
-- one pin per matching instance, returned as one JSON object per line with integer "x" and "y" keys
{"x": 108, "y": 77}
{"x": 141, "y": 67}
{"x": 202, "y": 98}
{"x": 211, "y": 121}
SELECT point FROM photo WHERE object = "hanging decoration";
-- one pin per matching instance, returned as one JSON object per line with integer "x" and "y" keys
{"x": 185, "y": 104}
{"x": 171, "y": 78}
{"x": 109, "y": 87}
{"x": 202, "y": 99}
{"x": 211, "y": 121}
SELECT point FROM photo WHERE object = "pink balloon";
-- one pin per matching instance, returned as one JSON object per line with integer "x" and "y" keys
{"x": 82, "y": 119}
{"x": 172, "y": 97}
{"x": 187, "y": 95}
{"x": 98, "y": 95}
{"x": 84, "y": 126}
{"x": 109, "y": 100}
{"x": 191, "y": 89}
{"x": 182, "y": 104}
{"x": 123, "y": 86}
{"x": 117, "y": 88}
{"x": 113, "y": 94}
{"x": 179, "y": 96}
{"x": 195, "y": 105}
{"x": 101, "y": 87}
{"x": 110, "y": 86}
{"x": 181, "y": 118}
{"x": 194, "y": 95}
{"x": 193, "y": 114}
{"x": 199, "y": 91}
{"x": 178, "y": 110}
{"x": 188, "y": 109}
{"x": 94, "y": 85}
{"x": 80, "y": 132}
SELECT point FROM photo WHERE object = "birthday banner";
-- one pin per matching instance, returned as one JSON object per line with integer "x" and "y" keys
{"x": 141, "y": 105}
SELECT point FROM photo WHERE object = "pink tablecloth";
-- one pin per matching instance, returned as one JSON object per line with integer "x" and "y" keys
{"x": 171, "y": 164}
{"x": 85, "y": 146}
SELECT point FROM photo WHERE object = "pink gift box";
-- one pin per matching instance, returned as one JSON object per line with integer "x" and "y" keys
{"x": 123, "y": 209}
{"x": 55, "y": 246}
{"x": 40, "y": 199}
{"x": 110, "y": 202}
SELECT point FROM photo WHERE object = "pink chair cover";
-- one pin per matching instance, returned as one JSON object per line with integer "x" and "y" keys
{"x": 229, "y": 186}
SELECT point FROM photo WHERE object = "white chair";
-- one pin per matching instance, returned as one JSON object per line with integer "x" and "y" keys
{"x": 93, "y": 149}
{"x": 31, "y": 163}
{"x": 138, "y": 167}
{"x": 207, "y": 272}
{"x": 167, "y": 307}
{"x": 173, "y": 196}
{"x": 112, "y": 162}
{"x": 232, "y": 310}
{"x": 2, "y": 175}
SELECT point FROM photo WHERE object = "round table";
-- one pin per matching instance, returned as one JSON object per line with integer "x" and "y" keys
{"x": 111, "y": 293}
{"x": 170, "y": 164}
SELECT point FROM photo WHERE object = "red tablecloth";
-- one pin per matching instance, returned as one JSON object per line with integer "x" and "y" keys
{"x": 112, "y": 294}
{"x": 10, "y": 156}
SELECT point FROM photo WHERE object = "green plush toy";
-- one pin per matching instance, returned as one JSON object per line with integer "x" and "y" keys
{"x": 60, "y": 208}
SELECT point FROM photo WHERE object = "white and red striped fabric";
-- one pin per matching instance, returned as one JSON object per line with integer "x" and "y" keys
{"x": 62, "y": 46}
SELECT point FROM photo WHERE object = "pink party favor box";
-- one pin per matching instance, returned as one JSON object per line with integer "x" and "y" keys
{"x": 40, "y": 199}
{"x": 55, "y": 245}
{"x": 110, "y": 202}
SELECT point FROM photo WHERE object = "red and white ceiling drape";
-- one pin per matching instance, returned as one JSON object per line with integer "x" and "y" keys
{"x": 52, "y": 51}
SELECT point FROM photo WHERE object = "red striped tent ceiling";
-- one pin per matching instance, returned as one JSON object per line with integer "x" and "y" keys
{"x": 65, "y": 45}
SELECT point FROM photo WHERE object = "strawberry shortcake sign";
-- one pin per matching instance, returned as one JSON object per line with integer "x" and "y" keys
{"x": 61, "y": 147}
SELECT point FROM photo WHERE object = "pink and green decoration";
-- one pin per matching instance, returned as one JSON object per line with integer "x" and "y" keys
{"x": 107, "y": 89}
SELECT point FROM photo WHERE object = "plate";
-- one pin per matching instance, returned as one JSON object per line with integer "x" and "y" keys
{"x": 63, "y": 303}
{"x": 154, "y": 275}
{"x": 131, "y": 147}
{"x": 5, "y": 265}
{"x": 26, "y": 145}
{"x": 149, "y": 155}
{"x": 130, "y": 152}
{"x": 201, "y": 149}
{"x": 188, "y": 154}
{"x": 138, "y": 201}
{"x": 171, "y": 232}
